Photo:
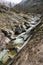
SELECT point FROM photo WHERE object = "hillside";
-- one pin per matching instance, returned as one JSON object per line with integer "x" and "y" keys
{"x": 35, "y": 6}
{"x": 11, "y": 19}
